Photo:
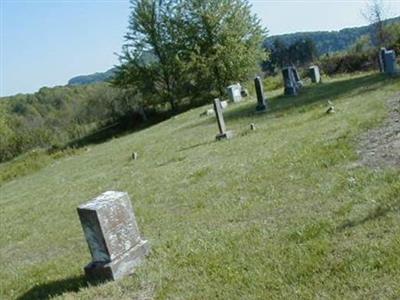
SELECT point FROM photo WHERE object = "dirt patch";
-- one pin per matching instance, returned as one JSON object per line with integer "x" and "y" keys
{"x": 380, "y": 147}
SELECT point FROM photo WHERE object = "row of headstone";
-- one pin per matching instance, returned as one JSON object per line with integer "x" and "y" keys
{"x": 387, "y": 61}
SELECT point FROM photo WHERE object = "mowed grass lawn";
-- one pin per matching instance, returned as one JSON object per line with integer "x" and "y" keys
{"x": 281, "y": 212}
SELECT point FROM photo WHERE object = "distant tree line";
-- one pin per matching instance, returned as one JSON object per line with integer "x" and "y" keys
{"x": 338, "y": 41}
{"x": 53, "y": 116}
{"x": 363, "y": 54}
{"x": 299, "y": 53}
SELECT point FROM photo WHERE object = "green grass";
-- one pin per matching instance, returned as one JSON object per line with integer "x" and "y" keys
{"x": 280, "y": 212}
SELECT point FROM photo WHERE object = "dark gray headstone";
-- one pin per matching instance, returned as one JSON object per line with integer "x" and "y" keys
{"x": 112, "y": 234}
{"x": 390, "y": 62}
{"x": 314, "y": 74}
{"x": 381, "y": 58}
{"x": 223, "y": 133}
{"x": 297, "y": 78}
{"x": 290, "y": 84}
{"x": 261, "y": 100}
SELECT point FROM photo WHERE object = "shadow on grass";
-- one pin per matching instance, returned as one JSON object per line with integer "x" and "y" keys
{"x": 58, "y": 287}
{"x": 314, "y": 94}
{"x": 377, "y": 213}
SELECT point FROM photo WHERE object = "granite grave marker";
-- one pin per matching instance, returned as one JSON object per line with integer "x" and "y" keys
{"x": 223, "y": 133}
{"x": 112, "y": 234}
{"x": 261, "y": 100}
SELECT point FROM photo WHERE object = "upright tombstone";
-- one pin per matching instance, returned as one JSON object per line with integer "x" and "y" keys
{"x": 110, "y": 228}
{"x": 381, "y": 58}
{"x": 390, "y": 62}
{"x": 314, "y": 74}
{"x": 289, "y": 81}
{"x": 261, "y": 99}
{"x": 234, "y": 92}
{"x": 223, "y": 133}
{"x": 297, "y": 77}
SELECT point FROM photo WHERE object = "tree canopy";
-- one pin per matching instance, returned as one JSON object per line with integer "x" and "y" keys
{"x": 189, "y": 49}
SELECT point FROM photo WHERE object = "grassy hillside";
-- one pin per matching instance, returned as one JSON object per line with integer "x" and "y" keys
{"x": 281, "y": 212}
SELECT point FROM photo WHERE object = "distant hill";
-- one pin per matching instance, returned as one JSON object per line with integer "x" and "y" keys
{"x": 328, "y": 41}
{"x": 92, "y": 78}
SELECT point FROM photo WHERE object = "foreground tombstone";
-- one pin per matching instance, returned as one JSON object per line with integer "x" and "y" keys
{"x": 290, "y": 84}
{"x": 261, "y": 100}
{"x": 223, "y": 133}
{"x": 314, "y": 74}
{"x": 234, "y": 92}
{"x": 112, "y": 234}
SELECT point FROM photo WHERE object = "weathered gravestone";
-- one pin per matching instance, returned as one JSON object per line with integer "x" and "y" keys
{"x": 223, "y": 133}
{"x": 112, "y": 234}
{"x": 381, "y": 58}
{"x": 390, "y": 62}
{"x": 297, "y": 77}
{"x": 314, "y": 74}
{"x": 387, "y": 61}
{"x": 234, "y": 92}
{"x": 290, "y": 84}
{"x": 261, "y": 99}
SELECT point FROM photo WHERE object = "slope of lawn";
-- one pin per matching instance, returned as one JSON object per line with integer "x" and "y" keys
{"x": 284, "y": 211}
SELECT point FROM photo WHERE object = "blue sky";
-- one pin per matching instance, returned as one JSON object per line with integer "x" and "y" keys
{"x": 46, "y": 42}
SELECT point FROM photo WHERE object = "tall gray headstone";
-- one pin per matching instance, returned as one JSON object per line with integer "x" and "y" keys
{"x": 261, "y": 99}
{"x": 381, "y": 58}
{"x": 289, "y": 81}
{"x": 223, "y": 133}
{"x": 234, "y": 92}
{"x": 297, "y": 77}
{"x": 314, "y": 74}
{"x": 112, "y": 234}
{"x": 390, "y": 62}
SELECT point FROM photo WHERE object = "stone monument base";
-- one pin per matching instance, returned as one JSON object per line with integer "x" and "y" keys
{"x": 226, "y": 135}
{"x": 261, "y": 108}
{"x": 119, "y": 267}
{"x": 290, "y": 91}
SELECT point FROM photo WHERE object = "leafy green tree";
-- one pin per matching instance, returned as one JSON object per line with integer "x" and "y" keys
{"x": 226, "y": 42}
{"x": 177, "y": 50}
{"x": 148, "y": 60}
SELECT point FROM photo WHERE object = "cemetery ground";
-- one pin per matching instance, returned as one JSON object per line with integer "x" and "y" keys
{"x": 286, "y": 211}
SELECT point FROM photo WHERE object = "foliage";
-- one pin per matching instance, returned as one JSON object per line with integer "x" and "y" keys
{"x": 197, "y": 49}
{"x": 329, "y": 41}
{"x": 300, "y": 53}
{"x": 362, "y": 55}
{"x": 54, "y": 116}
